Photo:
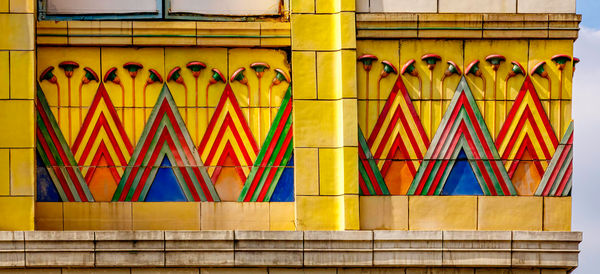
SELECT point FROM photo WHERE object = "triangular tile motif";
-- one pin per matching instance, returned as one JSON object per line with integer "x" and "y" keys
{"x": 370, "y": 180}
{"x": 102, "y": 137}
{"x": 398, "y": 135}
{"x": 228, "y": 126}
{"x": 462, "y": 180}
{"x": 165, "y": 187}
{"x": 284, "y": 191}
{"x": 46, "y": 190}
{"x": 273, "y": 156}
{"x": 56, "y": 155}
{"x": 526, "y": 132}
{"x": 462, "y": 129}
{"x": 558, "y": 178}
{"x": 165, "y": 135}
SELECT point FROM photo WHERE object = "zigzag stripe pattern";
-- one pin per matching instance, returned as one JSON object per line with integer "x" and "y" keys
{"x": 526, "y": 128}
{"x": 228, "y": 135}
{"x": 462, "y": 129}
{"x": 165, "y": 135}
{"x": 102, "y": 135}
{"x": 57, "y": 156}
{"x": 370, "y": 179}
{"x": 398, "y": 130}
{"x": 273, "y": 156}
{"x": 558, "y": 178}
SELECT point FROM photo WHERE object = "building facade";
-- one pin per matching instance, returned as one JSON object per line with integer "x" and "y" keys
{"x": 268, "y": 136}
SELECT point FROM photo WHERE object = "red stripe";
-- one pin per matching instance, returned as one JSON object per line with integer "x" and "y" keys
{"x": 228, "y": 124}
{"x": 102, "y": 123}
{"x": 565, "y": 179}
{"x": 63, "y": 157}
{"x": 384, "y": 113}
{"x": 269, "y": 151}
{"x": 274, "y": 169}
{"x": 554, "y": 173}
{"x": 55, "y": 167}
{"x": 370, "y": 174}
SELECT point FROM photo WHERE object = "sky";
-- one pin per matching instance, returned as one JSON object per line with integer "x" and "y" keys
{"x": 586, "y": 113}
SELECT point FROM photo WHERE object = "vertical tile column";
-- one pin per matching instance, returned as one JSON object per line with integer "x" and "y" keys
{"x": 17, "y": 123}
{"x": 325, "y": 114}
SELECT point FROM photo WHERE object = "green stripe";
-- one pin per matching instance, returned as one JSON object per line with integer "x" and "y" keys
{"x": 280, "y": 170}
{"x": 52, "y": 174}
{"x": 372, "y": 165}
{"x": 265, "y": 146}
{"x": 363, "y": 173}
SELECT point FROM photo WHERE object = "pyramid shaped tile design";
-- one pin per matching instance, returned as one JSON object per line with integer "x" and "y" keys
{"x": 462, "y": 129}
{"x": 370, "y": 180}
{"x": 57, "y": 157}
{"x": 228, "y": 135}
{"x": 398, "y": 135}
{"x": 558, "y": 178}
{"x": 526, "y": 135}
{"x": 273, "y": 156}
{"x": 102, "y": 138}
{"x": 165, "y": 135}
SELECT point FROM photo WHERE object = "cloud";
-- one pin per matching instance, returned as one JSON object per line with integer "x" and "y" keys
{"x": 586, "y": 113}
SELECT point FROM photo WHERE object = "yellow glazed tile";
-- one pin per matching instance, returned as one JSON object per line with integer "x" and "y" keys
{"x": 306, "y": 163}
{"x": 543, "y": 50}
{"x": 145, "y": 270}
{"x": 80, "y": 102}
{"x": 512, "y": 50}
{"x": 166, "y": 216}
{"x": 22, "y": 170}
{"x": 180, "y": 33}
{"x": 22, "y": 6}
{"x": 348, "y": 30}
{"x": 327, "y": 6}
{"x": 466, "y": 25}
{"x": 442, "y": 212}
{"x": 384, "y": 212}
{"x": 351, "y": 170}
{"x": 4, "y": 75}
{"x": 320, "y": 212}
{"x": 510, "y": 213}
{"x": 329, "y": 70}
{"x": 56, "y": 32}
{"x": 113, "y": 32}
{"x": 242, "y": 58}
{"x": 448, "y": 50}
{"x": 316, "y": 123}
{"x": 198, "y": 113}
{"x": 351, "y": 210}
{"x": 97, "y": 216}
{"x": 22, "y": 80}
{"x": 150, "y": 58}
{"x": 16, "y": 123}
{"x": 282, "y": 216}
{"x": 348, "y": 74}
{"x": 304, "y": 36}
{"x": 275, "y": 34}
{"x": 4, "y": 172}
{"x": 331, "y": 171}
{"x": 348, "y": 5}
{"x": 234, "y": 216}
{"x": 304, "y": 75}
{"x": 243, "y": 34}
{"x": 350, "y": 124}
{"x": 18, "y": 31}
{"x": 4, "y": 5}
{"x": 48, "y": 216}
{"x": 557, "y": 213}
{"x": 303, "y": 6}
{"x": 17, "y": 213}
{"x": 96, "y": 271}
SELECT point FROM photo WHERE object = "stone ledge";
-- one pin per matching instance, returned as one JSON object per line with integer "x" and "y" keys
{"x": 495, "y": 249}
{"x": 474, "y": 26}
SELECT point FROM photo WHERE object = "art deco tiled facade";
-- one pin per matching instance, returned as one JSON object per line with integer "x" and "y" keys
{"x": 334, "y": 115}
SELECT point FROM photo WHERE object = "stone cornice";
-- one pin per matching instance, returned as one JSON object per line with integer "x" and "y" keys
{"x": 467, "y": 26}
{"x": 495, "y": 249}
